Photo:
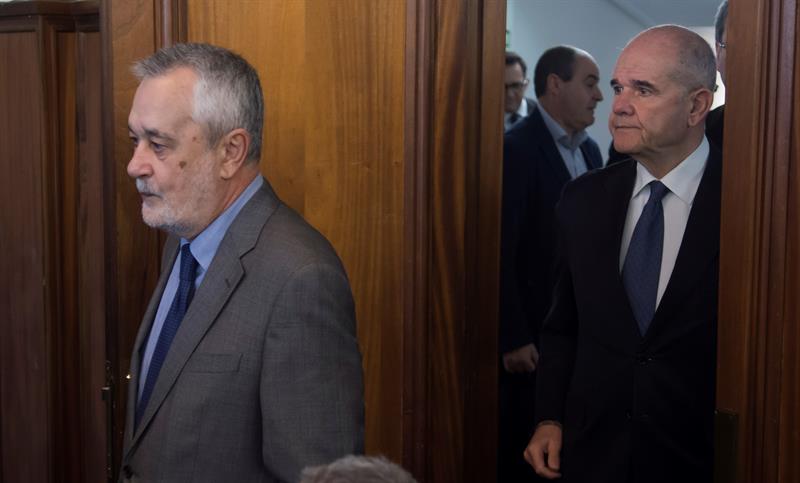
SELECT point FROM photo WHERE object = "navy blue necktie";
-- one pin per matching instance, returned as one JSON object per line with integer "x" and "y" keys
{"x": 642, "y": 266}
{"x": 174, "y": 317}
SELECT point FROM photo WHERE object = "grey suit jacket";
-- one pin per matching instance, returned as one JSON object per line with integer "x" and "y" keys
{"x": 264, "y": 375}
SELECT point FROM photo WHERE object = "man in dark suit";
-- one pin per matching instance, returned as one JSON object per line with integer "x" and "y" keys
{"x": 541, "y": 154}
{"x": 517, "y": 106}
{"x": 626, "y": 376}
{"x": 246, "y": 366}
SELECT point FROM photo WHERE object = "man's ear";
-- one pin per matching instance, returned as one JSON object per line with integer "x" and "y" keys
{"x": 700, "y": 103}
{"x": 234, "y": 147}
{"x": 553, "y": 83}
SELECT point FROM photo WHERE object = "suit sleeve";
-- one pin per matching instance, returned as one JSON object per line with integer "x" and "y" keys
{"x": 311, "y": 383}
{"x": 558, "y": 337}
{"x": 515, "y": 330}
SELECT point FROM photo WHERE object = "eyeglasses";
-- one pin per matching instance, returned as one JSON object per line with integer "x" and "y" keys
{"x": 722, "y": 45}
{"x": 515, "y": 86}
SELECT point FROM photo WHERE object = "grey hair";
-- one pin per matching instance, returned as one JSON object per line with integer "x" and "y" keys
{"x": 720, "y": 21}
{"x": 227, "y": 94}
{"x": 696, "y": 63}
{"x": 357, "y": 469}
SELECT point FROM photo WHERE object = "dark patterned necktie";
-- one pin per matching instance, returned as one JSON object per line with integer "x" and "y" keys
{"x": 642, "y": 266}
{"x": 174, "y": 317}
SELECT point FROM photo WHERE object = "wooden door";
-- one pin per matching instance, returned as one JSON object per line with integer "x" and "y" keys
{"x": 52, "y": 328}
{"x": 758, "y": 386}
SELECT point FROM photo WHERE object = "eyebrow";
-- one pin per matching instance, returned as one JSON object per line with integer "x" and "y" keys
{"x": 152, "y": 133}
{"x": 636, "y": 83}
{"x": 642, "y": 83}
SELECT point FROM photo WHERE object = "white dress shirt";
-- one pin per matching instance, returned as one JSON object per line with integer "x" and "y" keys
{"x": 569, "y": 147}
{"x": 682, "y": 183}
{"x": 522, "y": 113}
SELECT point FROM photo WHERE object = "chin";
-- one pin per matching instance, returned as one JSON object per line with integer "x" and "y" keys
{"x": 624, "y": 148}
{"x": 152, "y": 218}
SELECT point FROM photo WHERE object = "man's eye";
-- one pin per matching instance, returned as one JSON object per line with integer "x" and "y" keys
{"x": 643, "y": 91}
{"x": 157, "y": 148}
{"x": 616, "y": 89}
{"x": 134, "y": 141}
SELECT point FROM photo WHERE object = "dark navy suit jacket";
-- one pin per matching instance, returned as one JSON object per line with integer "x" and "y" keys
{"x": 533, "y": 177}
{"x": 635, "y": 409}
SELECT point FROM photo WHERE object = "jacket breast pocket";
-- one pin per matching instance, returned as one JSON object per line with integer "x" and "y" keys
{"x": 213, "y": 363}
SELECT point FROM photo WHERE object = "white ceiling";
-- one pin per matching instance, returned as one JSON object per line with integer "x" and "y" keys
{"x": 690, "y": 13}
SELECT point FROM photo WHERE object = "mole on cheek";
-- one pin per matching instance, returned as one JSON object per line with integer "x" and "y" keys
{"x": 182, "y": 164}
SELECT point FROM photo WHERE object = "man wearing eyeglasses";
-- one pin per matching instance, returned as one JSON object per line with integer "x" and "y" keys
{"x": 541, "y": 154}
{"x": 516, "y": 85}
{"x": 715, "y": 122}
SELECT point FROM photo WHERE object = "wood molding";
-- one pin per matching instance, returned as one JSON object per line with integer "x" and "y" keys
{"x": 420, "y": 18}
{"x": 454, "y": 147}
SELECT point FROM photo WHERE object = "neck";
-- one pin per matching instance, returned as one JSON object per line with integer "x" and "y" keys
{"x": 551, "y": 106}
{"x": 232, "y": 189}
{"x": 660, "y": 164}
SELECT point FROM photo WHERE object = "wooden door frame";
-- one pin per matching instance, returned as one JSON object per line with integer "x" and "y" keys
{"x": 453, "y": 97}
{"x": 756, "y": 382}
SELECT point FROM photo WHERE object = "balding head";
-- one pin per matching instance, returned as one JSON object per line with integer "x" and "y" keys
{"x": 691, "y": 59}
{"x": 663, "y": 89}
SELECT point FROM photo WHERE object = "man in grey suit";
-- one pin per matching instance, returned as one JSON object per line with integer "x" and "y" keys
{"x": 246, "y": 366}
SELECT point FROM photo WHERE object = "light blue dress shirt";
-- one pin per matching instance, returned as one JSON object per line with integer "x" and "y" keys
{"x": 568, "y": 147}
{"x": 203, "y": 248}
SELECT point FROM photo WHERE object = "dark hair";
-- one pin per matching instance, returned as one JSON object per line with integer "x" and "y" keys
{"x": 559, "y": 60}
{"x": 720, "y": 20}
{"x": 514, "y": 58}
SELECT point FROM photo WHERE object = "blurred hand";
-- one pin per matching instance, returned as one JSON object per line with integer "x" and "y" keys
{"x": 521, "y": 360}
{"x": 544, "y": 450}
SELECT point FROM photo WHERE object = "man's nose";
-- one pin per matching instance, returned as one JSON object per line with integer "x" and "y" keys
{"x": 138, "y": 166}
{"x": 622, "y": 104}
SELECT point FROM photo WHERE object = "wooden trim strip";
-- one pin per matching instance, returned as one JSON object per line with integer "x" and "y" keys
{"x": 420, "y": 16}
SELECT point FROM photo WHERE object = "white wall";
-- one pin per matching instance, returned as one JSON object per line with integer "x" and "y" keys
{"x": 598, "y": 26}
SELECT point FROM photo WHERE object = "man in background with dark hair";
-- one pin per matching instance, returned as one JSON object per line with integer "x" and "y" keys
{"x": 541, "y": 154}
{"x": 517, "y": 106}
{"x": 715, "y": 123}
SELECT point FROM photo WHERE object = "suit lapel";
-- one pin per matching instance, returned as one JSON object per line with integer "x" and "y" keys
{"x": 588, "y": 158}
{"x": 619, "y": 188}
{"x": 548, "y": 149}
{"x": 699, "y": 247}
{"x": 219, "y": 283}
{"x": 170, "y": 253}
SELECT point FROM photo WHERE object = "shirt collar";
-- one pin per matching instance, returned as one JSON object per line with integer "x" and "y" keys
{"x": 683, "y": 180}
{"x": 560, "y": 134}
{"x": 523, "y": 108}
{"x": 204, "y": 246}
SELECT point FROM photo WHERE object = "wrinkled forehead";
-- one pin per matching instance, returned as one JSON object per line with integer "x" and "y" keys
{"x": 164, "y": 99}
{"x": 645, "y": 60}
